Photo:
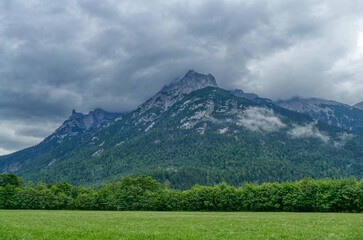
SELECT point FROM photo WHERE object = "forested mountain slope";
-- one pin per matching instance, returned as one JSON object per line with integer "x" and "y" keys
{"x": 194, "y": 132}
{"x": 74, "y": 127}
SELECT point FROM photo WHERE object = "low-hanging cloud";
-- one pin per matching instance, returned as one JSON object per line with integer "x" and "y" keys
{"x": 343, "y": 139}
{"x": 260, "y": 119}
{"x": 311, "y": 131}
{"x": 308, "y": 131}
{"x": 60, "y": 55}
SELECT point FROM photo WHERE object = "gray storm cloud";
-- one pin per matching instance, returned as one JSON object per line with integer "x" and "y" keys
{"x": 60, "y": 55}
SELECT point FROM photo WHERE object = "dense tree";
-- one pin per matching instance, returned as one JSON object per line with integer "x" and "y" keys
{"x": 10, "y": 178}
{"x": 144, "y": 193}
{"x": 204, "y": 154}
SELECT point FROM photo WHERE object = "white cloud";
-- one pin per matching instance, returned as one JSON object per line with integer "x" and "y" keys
{"x": 308, "y": 131}
{"x": 260, "y": 119}
{"x": 343, "y": 139}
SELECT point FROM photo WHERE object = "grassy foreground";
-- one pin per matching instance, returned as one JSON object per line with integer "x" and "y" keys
{"x": 37, "y": 224}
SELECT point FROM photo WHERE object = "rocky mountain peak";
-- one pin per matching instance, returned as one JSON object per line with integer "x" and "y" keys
{"x": 240, "y": 93}
{"x": 75, "y": 115}
{"x": 174, "y": 92}
{"x": 78, "y": 123}
{"x": 190, "y": 82}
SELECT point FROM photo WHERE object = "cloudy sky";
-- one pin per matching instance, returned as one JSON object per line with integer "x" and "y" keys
{"x": 60, "y": 55}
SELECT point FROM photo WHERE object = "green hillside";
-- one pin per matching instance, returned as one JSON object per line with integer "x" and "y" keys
{"x": 207, "y": 137}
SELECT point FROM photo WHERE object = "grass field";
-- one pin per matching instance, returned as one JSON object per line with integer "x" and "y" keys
{"x": 27, "y": 224}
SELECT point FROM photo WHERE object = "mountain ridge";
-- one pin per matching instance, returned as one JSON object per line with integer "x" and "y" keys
{"x": 194, "y": 132}
{"x": 331, "y": 112}
{"x": 359, "y": 105}
{"x": 76, "y": 125}
{"x": 241, "y": 93}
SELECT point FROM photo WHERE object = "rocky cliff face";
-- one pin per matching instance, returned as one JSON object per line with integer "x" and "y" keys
{"x": 79, "y": 123}
{"x": 172, "y": 93}
{"x": 190, "y": 82}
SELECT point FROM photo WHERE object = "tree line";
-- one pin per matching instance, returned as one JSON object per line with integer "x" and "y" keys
{"x": 144, "y": 193}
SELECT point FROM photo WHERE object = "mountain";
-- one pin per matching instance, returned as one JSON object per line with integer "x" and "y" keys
{"x": 359, "y": 105}
{"x": 172, "y": 93}
{"x": 194, "y": 132}
{"x": 79, "y": 123}
{"x": 331, "y": 112}
{"x": 76, "y": 125}
{"x": 190, "y": 82}
{"x": 240, "y": 93}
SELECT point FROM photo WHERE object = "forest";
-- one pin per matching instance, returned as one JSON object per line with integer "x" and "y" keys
{"x": 144, "y": 193}
{"x": 181, "y": 158}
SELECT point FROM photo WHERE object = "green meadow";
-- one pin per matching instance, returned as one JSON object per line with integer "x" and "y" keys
{"x": 45, "y": 224}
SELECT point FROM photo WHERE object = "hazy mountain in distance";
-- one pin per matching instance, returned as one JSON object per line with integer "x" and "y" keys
{"x": 331, "y": 112}
{"x": 359, "y": 105}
